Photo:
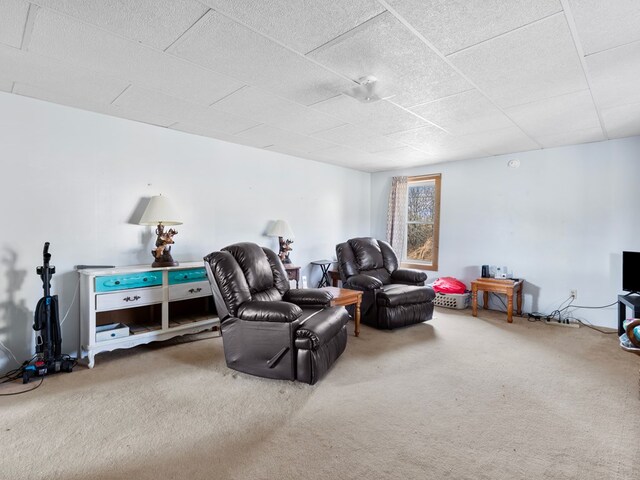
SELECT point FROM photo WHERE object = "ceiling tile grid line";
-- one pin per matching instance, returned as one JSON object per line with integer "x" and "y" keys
{"x": 166, "y": 50}
{"x": 142, "y": 47}
{"x": 533, "y": 22}
{"x": 28, "y": 26}
{"x": 422, "y": 104}
{"x": 344, "y": 35}
{"x": 622, "y": 45}
{"x": 576, "y": 39}
{"x": 301, "y": 55}
{"x": 441, "y": 55}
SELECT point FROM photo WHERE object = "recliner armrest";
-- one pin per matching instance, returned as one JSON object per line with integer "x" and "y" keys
{"x": 308, "y": 297}
{"x": 269, "y": 311}
{"x": 409, "y": 276}
{"x": 362, "y": 282}
{"x": 321, "y": 327}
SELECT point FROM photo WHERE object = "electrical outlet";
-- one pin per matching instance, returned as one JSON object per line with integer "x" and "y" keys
{"x": 574, "y": 294}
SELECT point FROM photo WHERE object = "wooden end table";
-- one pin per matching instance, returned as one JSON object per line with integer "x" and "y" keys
{"x": 507, "y": 287}
{"x": 335, "y": 277}
{"x": 343, "y": 297}
{"x": 293, "y": 272}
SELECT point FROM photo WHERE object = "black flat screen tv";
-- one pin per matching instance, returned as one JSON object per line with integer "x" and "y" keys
{"x": 631, "y": 272}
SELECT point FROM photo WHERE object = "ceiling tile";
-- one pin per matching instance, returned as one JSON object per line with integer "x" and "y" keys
{"x": 157, "y": 23}
{"x": 506, "y": 140}
{"x": 13, "y": 17}
{"x": 205, "y": 131}
{"x": 70, "y": 99}
{"x": 218, "y": 43}
{"x": 61, "y": 77}
{"x": 463, "y": 113}
{"x": 571, "y": 138}
{"x": 452, "y": 26}
{"x": 358, "y": 138}
{"x": 402, "y": 155}
{"x": 69, "y": 40}
{"x": 266, "y": 135}
{"x": 379, "y": 118}
{"x": 622, "y": 121}
{"x": 299, "y": 24}
{"x": 602, "y": 25}
{"x": 556, "y": 115}
{"x": 435, "y": 142}
{"x": 405, "y": 67}
{"x": 181, "y": 111}
{"x": 614, "y": 75}
{"x": 535, "y": 62}
{"x": 264, "y": 107}
{"x": 6, "y": 85}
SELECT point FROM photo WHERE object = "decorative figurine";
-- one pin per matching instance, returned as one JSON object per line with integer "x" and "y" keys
{"x": 285, "y": 248}
{"x": 162, "y": 252}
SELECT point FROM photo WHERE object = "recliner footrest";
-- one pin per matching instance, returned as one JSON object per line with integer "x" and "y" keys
{"x": 398, "y": 294}
{"x": 320, "y": 327}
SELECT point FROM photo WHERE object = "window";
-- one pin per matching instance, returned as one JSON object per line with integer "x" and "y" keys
{"x": 423, "y": 222}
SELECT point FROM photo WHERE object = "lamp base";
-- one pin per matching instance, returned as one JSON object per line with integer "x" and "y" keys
{"x": 158, "y": 264}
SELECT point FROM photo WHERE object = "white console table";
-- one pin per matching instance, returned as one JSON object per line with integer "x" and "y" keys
{"x": 154, "y": 303}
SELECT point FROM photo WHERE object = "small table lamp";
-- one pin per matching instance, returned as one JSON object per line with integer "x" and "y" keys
{"x": 282, "y": 230}
{"x": 159, "y": 211}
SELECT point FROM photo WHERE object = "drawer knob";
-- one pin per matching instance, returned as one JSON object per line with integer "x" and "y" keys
{"x": 117, "y": 282}
{"x": 144, "y": 279}
{"x": 195, "y": 290}
{"x": 130, "y": 299}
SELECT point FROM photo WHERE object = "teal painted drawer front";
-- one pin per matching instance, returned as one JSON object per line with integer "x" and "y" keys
{"x": 187, "y": 275}
{"x": 124, "y": 281}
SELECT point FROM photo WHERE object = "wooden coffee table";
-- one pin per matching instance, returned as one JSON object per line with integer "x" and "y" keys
{"x": 343, "y": 297}
{"x": 507, "y": 287}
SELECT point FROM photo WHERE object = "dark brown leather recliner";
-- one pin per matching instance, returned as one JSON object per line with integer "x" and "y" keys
{"x": 393, "y": 297}
{"x": 267, "y": 329}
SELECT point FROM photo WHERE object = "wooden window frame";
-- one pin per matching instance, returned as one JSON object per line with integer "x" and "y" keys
{"x": 437, "y": 179}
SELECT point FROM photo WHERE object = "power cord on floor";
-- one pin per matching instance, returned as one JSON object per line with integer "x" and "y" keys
{"x": 561, "y": 314}
{"x": 23, "y": 391}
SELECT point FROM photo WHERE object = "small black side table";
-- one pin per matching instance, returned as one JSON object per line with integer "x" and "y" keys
{"x": 624, "y": 301}
{"x": 325, "y": 281}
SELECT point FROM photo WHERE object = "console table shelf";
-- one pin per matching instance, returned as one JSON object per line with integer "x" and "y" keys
{"x": 154, "y": 304}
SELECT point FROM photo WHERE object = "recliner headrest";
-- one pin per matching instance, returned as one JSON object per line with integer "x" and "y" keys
{"x": 367, "y": 253}
{"x": 254, "y": 264}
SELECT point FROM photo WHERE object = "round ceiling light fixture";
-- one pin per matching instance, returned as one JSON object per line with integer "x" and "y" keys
{"x": 513, "y": 163}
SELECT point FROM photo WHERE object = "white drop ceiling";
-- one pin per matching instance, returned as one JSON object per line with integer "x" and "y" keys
{"x": 462, "y": 79}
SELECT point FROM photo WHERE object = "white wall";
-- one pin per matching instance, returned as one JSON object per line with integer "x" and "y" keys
{"x": 560, "y": 220}
{"x": 76, "y": 178}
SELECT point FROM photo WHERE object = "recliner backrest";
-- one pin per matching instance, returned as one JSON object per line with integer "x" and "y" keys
{"x": 367, "y": 256}
{"x": 243, "y": 272}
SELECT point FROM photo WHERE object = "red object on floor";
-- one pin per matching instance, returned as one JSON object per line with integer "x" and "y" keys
{"x": 449, "y": 285}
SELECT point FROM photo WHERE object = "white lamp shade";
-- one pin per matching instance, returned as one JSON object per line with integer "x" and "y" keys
{"x": 159, "y": 210}
{"x": 280, "y": 228}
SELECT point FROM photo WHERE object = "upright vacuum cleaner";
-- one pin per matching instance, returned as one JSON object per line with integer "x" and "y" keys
{"x": 46, "y": 323}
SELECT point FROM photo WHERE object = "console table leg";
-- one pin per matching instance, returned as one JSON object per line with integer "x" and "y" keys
{"x": 474, "y": 300}
{"x": 510, "y": 307}
{"x": 519, "y": 300}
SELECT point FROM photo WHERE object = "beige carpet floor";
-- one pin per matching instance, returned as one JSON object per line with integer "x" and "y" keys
{"x": 455, "y": 398}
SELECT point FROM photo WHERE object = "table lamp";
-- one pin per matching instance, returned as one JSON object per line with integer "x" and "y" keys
{"x": 282, "y": 230}
{"x": 160, "y": 212}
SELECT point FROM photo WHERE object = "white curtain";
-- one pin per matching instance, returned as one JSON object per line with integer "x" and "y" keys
{"x": 397, "y": 215}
